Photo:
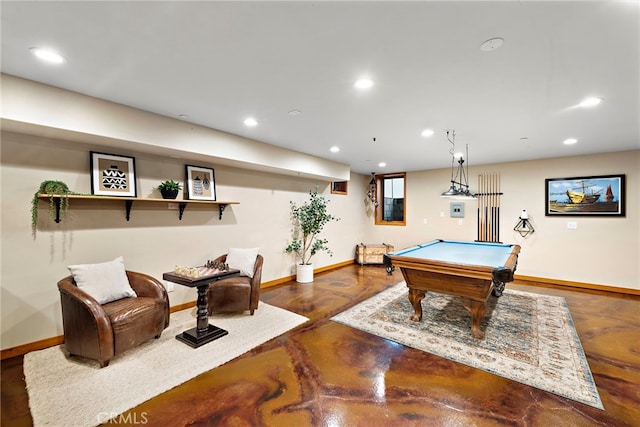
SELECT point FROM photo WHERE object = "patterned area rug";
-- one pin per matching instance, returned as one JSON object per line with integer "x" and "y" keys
{"x": 530, "y": 338}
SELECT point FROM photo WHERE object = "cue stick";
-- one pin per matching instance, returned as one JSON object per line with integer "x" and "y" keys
{"x": 482, "y": 213}
{"x": 486, "y": 208}
{"x": 490, "y": 213}
{"x": 497, "y": 204}
{"x": 480, "y": 207}
{"x": 486, "y": 224}
{"x": 498, "y": 210}
{"x": 485, "y": 205}
{"x": 493, "y": 206}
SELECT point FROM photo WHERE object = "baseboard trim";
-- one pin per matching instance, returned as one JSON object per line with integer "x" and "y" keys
{"x": 32, "y": 346}
{"x": 525, "y": 280}
{"x": 50, "y": 342}
{"x": 530, "y": 280}
{"x": 286, "y": 279}
{"x": 181, "y": 307}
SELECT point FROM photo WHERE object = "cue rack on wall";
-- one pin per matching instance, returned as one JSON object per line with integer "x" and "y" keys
{"x": 489, "y": 207}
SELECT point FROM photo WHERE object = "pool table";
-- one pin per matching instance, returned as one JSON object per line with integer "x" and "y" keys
{"x": 471, "y": 270}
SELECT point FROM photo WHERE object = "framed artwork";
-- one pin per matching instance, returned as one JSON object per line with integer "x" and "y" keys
{"x": 113, "y": 175}
{"x": 602, "y": 195}
{"x": 201, "y": 183}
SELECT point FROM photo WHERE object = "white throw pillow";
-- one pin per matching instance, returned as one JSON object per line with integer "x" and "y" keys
{"x": 105, "y": 282}
{"x": 243, "y": 260}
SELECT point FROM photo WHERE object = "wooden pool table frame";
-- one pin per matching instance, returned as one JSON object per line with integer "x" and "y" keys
{"x": 474, "y": 283}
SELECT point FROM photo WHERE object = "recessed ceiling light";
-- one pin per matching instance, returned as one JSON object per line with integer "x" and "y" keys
{"x": 592, "y": 101}
{"x": 492, "y": 44}
{"x": 47, "y": 55}
{"x": 382, "y": 164}
{"x": 569, "y": 141}
{"x": 364, "y": 83}
{"x": 250, "y": 121}
{"x": 427, "y": 132}
{"x": 183, "y": 116}
{"x": 334, "y": 149}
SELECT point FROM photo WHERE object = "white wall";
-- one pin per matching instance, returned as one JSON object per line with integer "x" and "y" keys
{"x": 601, "y": 251}
{"x": 154, "y": 240}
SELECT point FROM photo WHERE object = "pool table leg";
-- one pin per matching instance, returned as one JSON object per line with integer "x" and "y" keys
{"x": 415, "y": 297}
{"x": 478, "y": 310}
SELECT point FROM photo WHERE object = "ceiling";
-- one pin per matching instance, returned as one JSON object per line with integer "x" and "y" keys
{"x": 220, "y": 62}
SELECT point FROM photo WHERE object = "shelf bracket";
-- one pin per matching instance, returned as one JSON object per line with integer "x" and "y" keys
{"x": 181, "y": 207}
{"x": 57, "y": 202}
{"x": 128, "y": 204}
{"x": 220, "y": 210}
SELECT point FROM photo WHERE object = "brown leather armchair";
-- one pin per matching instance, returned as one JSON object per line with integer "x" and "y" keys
{"x": 101, "y": 332}
{"x": 236, "y": 293}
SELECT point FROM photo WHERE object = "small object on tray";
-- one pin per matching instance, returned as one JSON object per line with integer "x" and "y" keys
{"x": 209, "y": 269}
{"x": 217, "y": 265}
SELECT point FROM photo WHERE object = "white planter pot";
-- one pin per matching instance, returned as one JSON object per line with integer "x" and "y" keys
{"x": 304, "y": 273}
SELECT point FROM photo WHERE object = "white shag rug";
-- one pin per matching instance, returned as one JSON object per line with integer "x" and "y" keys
{"x": 76, "y": 392}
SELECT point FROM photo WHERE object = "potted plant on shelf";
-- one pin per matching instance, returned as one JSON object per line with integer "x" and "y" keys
{"x": 169, "y": 189}
{"x": 55, "y": 190}
{"x": 308, "y": 221}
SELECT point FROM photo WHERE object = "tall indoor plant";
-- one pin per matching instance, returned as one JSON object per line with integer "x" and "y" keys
{"x": 308, "y": 221}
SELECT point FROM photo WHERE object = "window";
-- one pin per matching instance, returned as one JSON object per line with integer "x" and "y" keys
{"x": 339, "y": 187}
{"x": 391, "y": 189}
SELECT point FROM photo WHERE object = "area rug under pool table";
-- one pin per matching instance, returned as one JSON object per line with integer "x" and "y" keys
{"x": 530, "y": 338}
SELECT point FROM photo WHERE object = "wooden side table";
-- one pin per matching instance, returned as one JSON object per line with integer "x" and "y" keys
{"x": 203, "y": 333}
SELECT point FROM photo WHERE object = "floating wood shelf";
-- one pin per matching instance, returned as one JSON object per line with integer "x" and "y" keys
{"x": 128, "y": 202}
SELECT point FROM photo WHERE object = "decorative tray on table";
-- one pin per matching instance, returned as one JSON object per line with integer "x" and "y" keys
{"x": 209, "y": 269}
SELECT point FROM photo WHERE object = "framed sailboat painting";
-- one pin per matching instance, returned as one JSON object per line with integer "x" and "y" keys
{"x": 602, "y": 195}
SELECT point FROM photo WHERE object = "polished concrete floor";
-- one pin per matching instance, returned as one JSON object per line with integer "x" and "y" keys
{"x": 327, "y": 374}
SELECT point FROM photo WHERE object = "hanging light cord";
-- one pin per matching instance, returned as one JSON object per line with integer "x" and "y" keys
{"x": 452, "y": 150}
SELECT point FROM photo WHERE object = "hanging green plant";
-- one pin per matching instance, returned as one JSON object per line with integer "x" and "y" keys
{"x": 53, "y": 188}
